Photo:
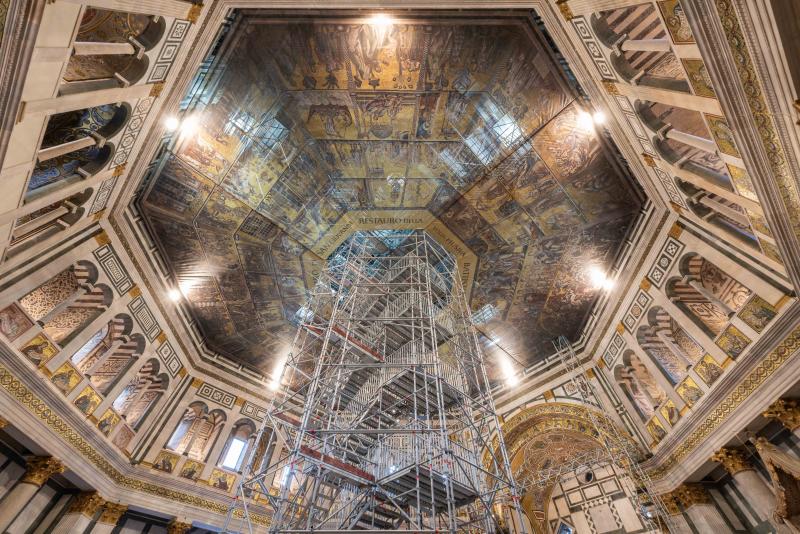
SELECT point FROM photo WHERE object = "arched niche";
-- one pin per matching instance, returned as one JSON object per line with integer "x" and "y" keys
{"x": 75, "y": 146}
{"x": 662, "y": 355}
{"x": 639, "y": 385}
{"x": 544, "y": 436}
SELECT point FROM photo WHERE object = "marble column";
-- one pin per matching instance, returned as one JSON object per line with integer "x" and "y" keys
{"x": 82, "y": 509}
{"x": 701, "y": 510}
{"x": 754, "y": 489}
{"x": 109, "y": 518}
{"x": 668, "y": 98}
{"x": 676, "y": 523}
{"x": 213, "y": 458}
{"x": 38, "y": 470}
{"x": 178, "y": 527}
{"x": 787, "y": 411}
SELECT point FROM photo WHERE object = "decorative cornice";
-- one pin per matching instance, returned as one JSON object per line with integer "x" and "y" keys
{"x": 717, "y": 25}
{"x": 17, "y": 39}
{"x": 764, "y": 369}
{"x": 41, "y": 468}
{"x": 733, "y": 460}
{"x": 75, "y": 439}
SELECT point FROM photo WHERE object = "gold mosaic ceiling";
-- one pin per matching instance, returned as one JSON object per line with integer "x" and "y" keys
{"x": 311, "y": 129}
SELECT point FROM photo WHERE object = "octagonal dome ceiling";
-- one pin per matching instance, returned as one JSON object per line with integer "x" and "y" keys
{"x": 301, "y": 130}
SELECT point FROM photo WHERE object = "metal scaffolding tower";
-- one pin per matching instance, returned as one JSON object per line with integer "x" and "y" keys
{"x": 615, "y": 449}
{"x": 383, "y": 415}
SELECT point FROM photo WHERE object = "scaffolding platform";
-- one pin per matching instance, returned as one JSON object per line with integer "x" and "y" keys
{"x": 384, "y": 411}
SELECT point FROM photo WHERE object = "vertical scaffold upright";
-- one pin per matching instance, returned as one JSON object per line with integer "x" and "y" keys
{"x": 383, "y": 413}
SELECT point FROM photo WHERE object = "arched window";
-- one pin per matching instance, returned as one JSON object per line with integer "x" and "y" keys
{"x": 710, "y": 314}
{"x": 197, "y": 431}
{"x": 715, "y": 284}
{"x": 141, "y": 395}
{"x": 238, "y": 445}
{"x": 123, "y": 353}
{"x": 642, "y": 49}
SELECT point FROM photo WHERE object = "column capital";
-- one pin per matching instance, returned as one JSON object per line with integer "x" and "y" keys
{"x": 111, "y": 513}
{"x": 733, "y": 460}
{"x": 671, "y": 501}
{"x": 178, "y": 527}
{"x": 691, "y": 494}
{"x": 786, "y": 411}
{"x": 3, "y": 423}
{"x": 40, "y": 468}
{"x": 86, "y": 503}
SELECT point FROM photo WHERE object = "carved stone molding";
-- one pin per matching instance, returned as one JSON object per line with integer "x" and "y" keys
{"x": 40, "y": 468}
{"x": 75, "y": 437}
{"x": 733, "y": 460}
{"x": 16, "y": 48}
{"x": 787, "y": 411}
{"x": 717, "y": 27}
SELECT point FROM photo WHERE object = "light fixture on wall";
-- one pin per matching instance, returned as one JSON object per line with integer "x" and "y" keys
{"x": 174, "y": 295}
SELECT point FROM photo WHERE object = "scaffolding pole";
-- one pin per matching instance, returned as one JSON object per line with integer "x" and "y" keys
{"x": 383, "y": 419}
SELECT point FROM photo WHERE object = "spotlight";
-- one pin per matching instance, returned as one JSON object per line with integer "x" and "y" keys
{"x": 599, "y": 279}
{"x": 171, "y": 123}
{"x": 509, "y": 372}
{"x": 585, "y": 121}
{"x": 187, "y": 285}
{"x": 599, "y": 117}
{"x": 274, "y": 385}
{"x": 174, "y": 295}
{"x": 189, "y": 126}
{"x": 380, "y": 19}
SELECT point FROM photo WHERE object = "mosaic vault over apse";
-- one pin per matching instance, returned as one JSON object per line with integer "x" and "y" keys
{"x": 310, "y": 129}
